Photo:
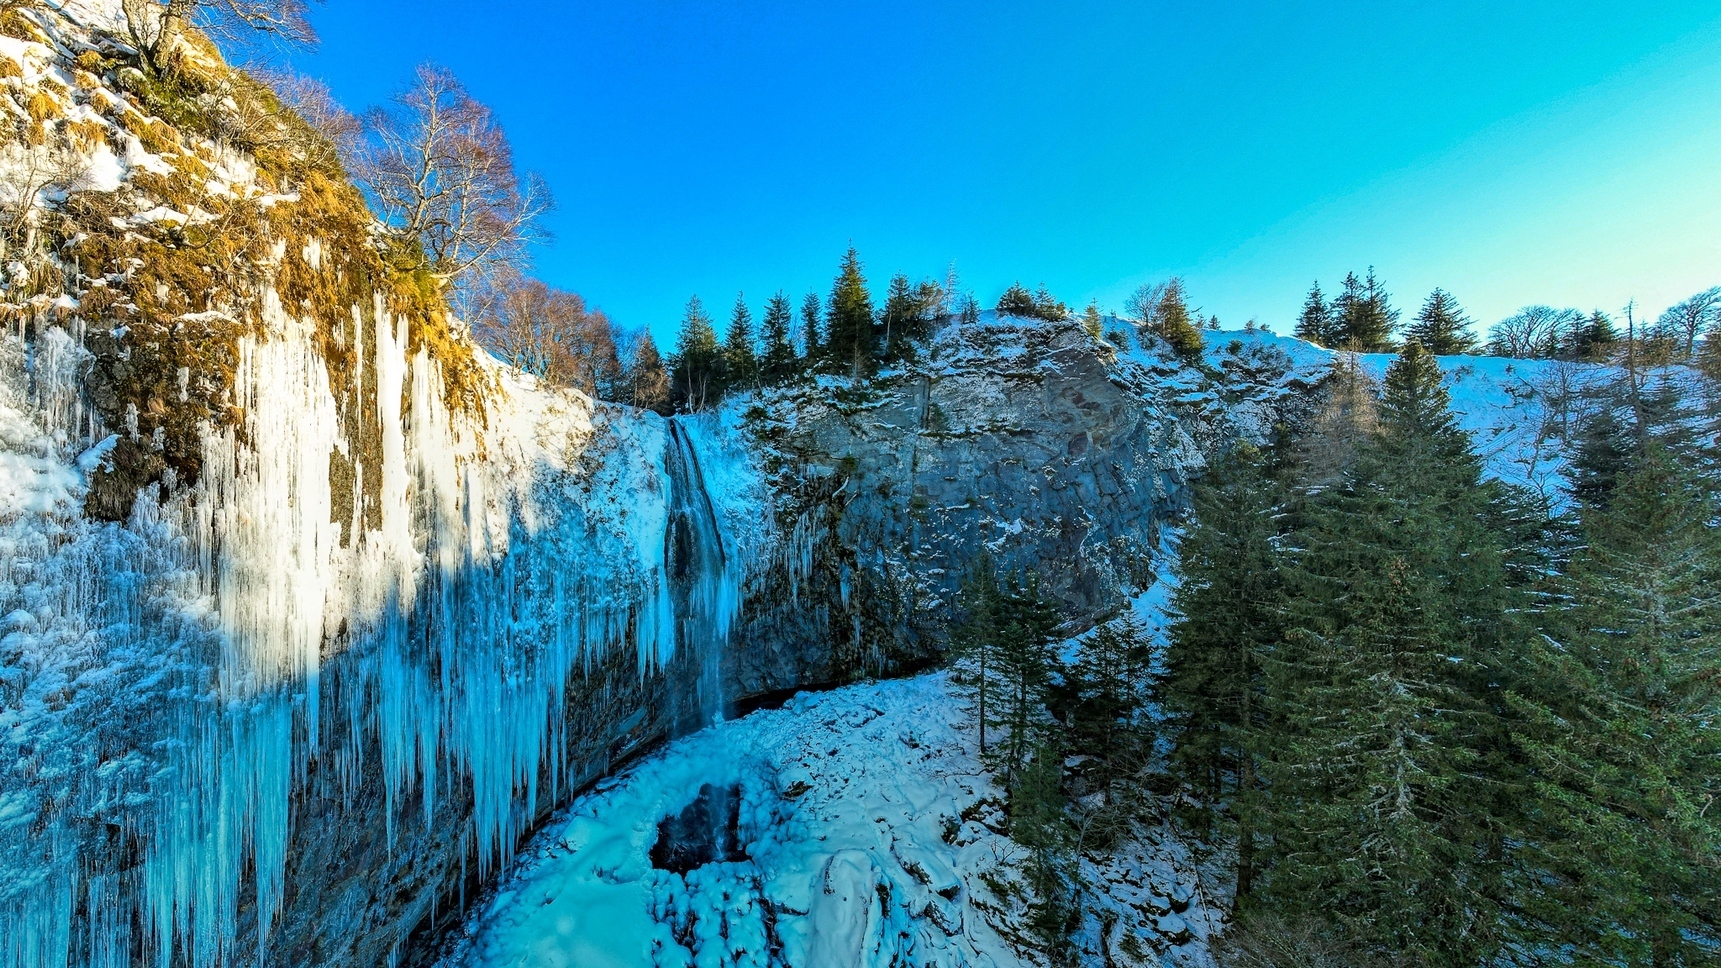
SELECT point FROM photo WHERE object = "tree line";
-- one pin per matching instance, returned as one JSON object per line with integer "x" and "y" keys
{"x": 1361, "y": 319}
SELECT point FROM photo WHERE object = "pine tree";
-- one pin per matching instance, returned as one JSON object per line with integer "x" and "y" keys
{"x": 740, "y": 358}
{"x": 1593, "y": 339}
{"x": 1228, "y": 614}
{"x": 811, "y": 310}
{"x": 848, "y": 319}
{"x": 1441, "y": 327}
{"x": 1093, "y": 322}
{"x": 777, "y": 362}
{"x": 974, "y": 643}
{"x": 1172, "y": 319}
{"x": 1317, "y": 323}
{"x": 1619, "y": 729}
{"x": 899, "y": 321}
{"x": 1390, "y": 764}
{"x": 646, "y": 379}
{"x": 1365, "y": 318}
{"x": 697, "y": 368}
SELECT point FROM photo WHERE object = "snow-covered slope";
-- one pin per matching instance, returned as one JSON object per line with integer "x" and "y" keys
{"x": 868, "y": 835}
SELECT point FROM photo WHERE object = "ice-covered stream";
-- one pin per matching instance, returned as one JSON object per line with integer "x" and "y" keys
{"x": 869, "y": 835}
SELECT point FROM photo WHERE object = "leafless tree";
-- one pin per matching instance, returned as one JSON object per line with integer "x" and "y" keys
{"x": 551, "y": 334}
{"x": 1533, "y": 332}
{"x": 1143, "y": 303}
{"x": 440, "y": 173}
{"x": 646, "y": 378}
{"x": 155, "y": 25}
{"x": 1684, "y": 322}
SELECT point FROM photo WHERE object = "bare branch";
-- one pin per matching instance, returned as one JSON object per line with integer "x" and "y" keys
{"x": 440, "y": 172}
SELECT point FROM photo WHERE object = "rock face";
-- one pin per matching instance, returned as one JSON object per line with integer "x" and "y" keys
{"x": 1027, "y": 439}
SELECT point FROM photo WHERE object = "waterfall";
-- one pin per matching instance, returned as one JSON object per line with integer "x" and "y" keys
{"x": 705, "y": 588}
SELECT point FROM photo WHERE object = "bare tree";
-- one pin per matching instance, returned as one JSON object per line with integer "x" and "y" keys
{"x": 1686, "y": 321}
{"x": 156, "y": 25}
{"x": 440, "y": 173}
{"x": 1533, "y": 332}
{"x": 551, "y": 334}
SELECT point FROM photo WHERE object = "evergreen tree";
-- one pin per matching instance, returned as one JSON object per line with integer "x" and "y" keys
{"x": 848, "y": 319}
{"x": 1605, "y": 449}
{"x": 811, "y": 310}
{"x": 1173, "y": 322}
{"x": 1093, "y": 322}
{"x": 1365, "y": 319}
{"x": 1040, "y": 822}
{"x": 1388, "y": 769}
{"x": 900, "y": 321}
{"x": 1105, "y": 690}
{"x": 1018, "y": 301}
{"x": 1228, "y": 613}
{"x": 1620, "y": 732}
{"x": 1441, "y": 327}
{"x": 777, "y": 362}
{"x": 1025, "y": 661}
{"x": 1346, "y": 416}
{"x": 1593, "y": 339}
{"x": 740, "y": 359}
{"x": 696, "y": 370}
{"x": 646, "y": 379}
{"x": 974, "y": 643}
{"x": 1317, "y": 323}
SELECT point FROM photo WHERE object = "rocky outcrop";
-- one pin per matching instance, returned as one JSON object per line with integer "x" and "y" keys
{"x": 1026, "y": 439}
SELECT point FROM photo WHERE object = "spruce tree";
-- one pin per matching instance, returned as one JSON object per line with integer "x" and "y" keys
{"x": 1441, "y": 326}
{"x": 1093, "y": 321}
{"x": 777, "y": 363}
{"x": 1317, "y": 323}
{"x": 1619, "y": 728}
{"x": 697, "y": 368}
{"x": 1389, "y": 765}
{"x": 1105, "y": 692}
{"x": 899, "y": 321}
{"x": 1173, "y": 321}
{"x": 1593, "y": 339}
{"x": 812, "y": 347}
{"x": 849, "y": 343}
{"x": 1228, "y": 613}
{"x": 974, "y": 643}
{"x": 1025, "y": 663}
{"x": 740, "y": 359}
{"x": 1365, "y": 317}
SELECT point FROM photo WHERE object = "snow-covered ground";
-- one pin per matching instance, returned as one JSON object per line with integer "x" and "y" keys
{"x": 869, "y": 835}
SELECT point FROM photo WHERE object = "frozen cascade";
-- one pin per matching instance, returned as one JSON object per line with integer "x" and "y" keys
{"x": 707, "y": 590}
{"x": 179, "y": 673}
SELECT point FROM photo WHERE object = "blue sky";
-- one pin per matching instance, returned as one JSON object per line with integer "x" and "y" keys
{"x": 1564, "y": 153}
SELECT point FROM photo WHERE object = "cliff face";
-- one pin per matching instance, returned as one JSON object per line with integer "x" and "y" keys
{"x": 311, "y": 609}
{"x": 1028, "y": 440}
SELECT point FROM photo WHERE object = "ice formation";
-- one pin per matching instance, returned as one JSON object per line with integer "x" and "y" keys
{"x": 170, "y": 681}
{"x": 869, "y": 835}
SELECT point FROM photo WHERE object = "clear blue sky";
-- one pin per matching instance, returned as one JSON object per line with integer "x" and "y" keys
{"x": 1565, "y": 153}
